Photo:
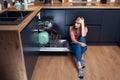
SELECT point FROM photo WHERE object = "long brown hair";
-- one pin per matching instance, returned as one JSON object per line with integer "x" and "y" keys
{"x": 75, "y": 31}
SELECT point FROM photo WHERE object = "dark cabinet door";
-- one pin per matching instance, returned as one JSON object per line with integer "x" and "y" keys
{"x": 58, "y": 19}
{"x": 110, "y": 26}
{"x": 28, "y": 47}
{"x": 103, "y": 24}
{"x": 93, "y": 20}
{"x": 91, "y": 16}
{"x": 93, "y": 34}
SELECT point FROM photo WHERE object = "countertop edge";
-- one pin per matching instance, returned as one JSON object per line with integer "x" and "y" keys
{"x": 37, "y": 7}
{"x": 25, "y": 22}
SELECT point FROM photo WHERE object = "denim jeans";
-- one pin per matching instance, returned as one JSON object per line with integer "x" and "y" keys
{"x": 77, "y": 49}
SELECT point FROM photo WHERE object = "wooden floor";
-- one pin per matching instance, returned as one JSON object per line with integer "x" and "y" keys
{"x": 102, "y": 63}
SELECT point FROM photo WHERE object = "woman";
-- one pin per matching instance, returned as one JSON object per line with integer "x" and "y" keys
{"x": 78, "y": 43}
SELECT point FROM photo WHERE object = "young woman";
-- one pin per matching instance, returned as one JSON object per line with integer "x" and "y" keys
{"x": 78, "y": 43}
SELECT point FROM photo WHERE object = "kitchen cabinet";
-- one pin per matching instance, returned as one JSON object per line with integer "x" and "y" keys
{"x": 110, "y": 26}
{"x": 58, "y": 19}
{"x": 103, "y": 24}
{"x": 91, "y": 16}
{"x": 29, "y": 42}
{"x": 93, "y": 34}
{"x": 93, "y": 20}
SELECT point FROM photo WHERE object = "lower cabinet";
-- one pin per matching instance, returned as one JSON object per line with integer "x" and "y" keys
{"x": 93, "y": 20}
{"x": 93, "y": 34}
{"x": 103, "y": 24}
{"x": 27, "y": 42}
{"x": 91, "y": 16}
{"x": 58, "y": 16}
{"x": 110, "y": 26}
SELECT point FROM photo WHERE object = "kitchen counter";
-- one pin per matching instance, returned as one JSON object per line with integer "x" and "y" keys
{"x": 22, "y": 25}
{"x": 12, "y": 61}
{"x": 38, "y": 6}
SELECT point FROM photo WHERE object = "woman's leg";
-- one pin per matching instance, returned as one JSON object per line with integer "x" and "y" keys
{"x": 83, "y": 50}
{"x": 76, "y": 49}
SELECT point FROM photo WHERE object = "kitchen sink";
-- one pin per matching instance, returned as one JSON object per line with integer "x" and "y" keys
{"x": 83, "y": 4}
{"x": 13, "y": 17}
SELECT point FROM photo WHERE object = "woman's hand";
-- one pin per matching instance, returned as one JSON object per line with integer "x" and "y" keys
{"x": 82, "y": 21}
{"x": 83, "y": 44}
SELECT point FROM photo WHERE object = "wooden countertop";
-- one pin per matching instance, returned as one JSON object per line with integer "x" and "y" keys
{"x": 23, "y": 24}
{"x": 38, "y": 6}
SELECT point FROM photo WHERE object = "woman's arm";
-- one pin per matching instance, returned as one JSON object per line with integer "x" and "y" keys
{"x": 74, "y": 39}
{"x": 73, "y": 36}
{"x": 84, "y": 28}
{"x": 85, "y": 31}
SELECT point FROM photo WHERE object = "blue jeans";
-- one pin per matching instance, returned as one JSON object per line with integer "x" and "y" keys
{"x": 77, "y": 49}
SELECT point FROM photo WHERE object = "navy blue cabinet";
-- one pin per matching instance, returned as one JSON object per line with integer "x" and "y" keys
{"x": 93, "y": 20}
{"x": 91, "y": 16}
{"x": 93, "y": 35}
{"x": 27, "y": 42}
{"x": 103, "y": 24}
{"x": 110, "y": 26}
{"x": 58, "y": 19}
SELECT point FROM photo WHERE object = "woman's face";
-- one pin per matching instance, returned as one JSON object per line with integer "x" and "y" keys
{"x": 77, "y": 22}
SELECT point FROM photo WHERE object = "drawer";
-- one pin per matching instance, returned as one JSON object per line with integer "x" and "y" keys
{"x": 90, "y": 16}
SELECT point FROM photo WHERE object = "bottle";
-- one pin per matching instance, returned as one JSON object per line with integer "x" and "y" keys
{"x": 9, "y": 5}
{"x": 13, "y": 2}
{"x": 5, "y": 4}
{"x": 103, "y": 1}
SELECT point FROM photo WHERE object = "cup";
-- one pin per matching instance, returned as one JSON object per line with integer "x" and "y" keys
{"x": 18, "y": 6}
{"x": 24, "y": 6}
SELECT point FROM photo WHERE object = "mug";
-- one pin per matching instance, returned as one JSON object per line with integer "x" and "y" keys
{"x": 24, "y": 6}
{"x": 18, "y": 6}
